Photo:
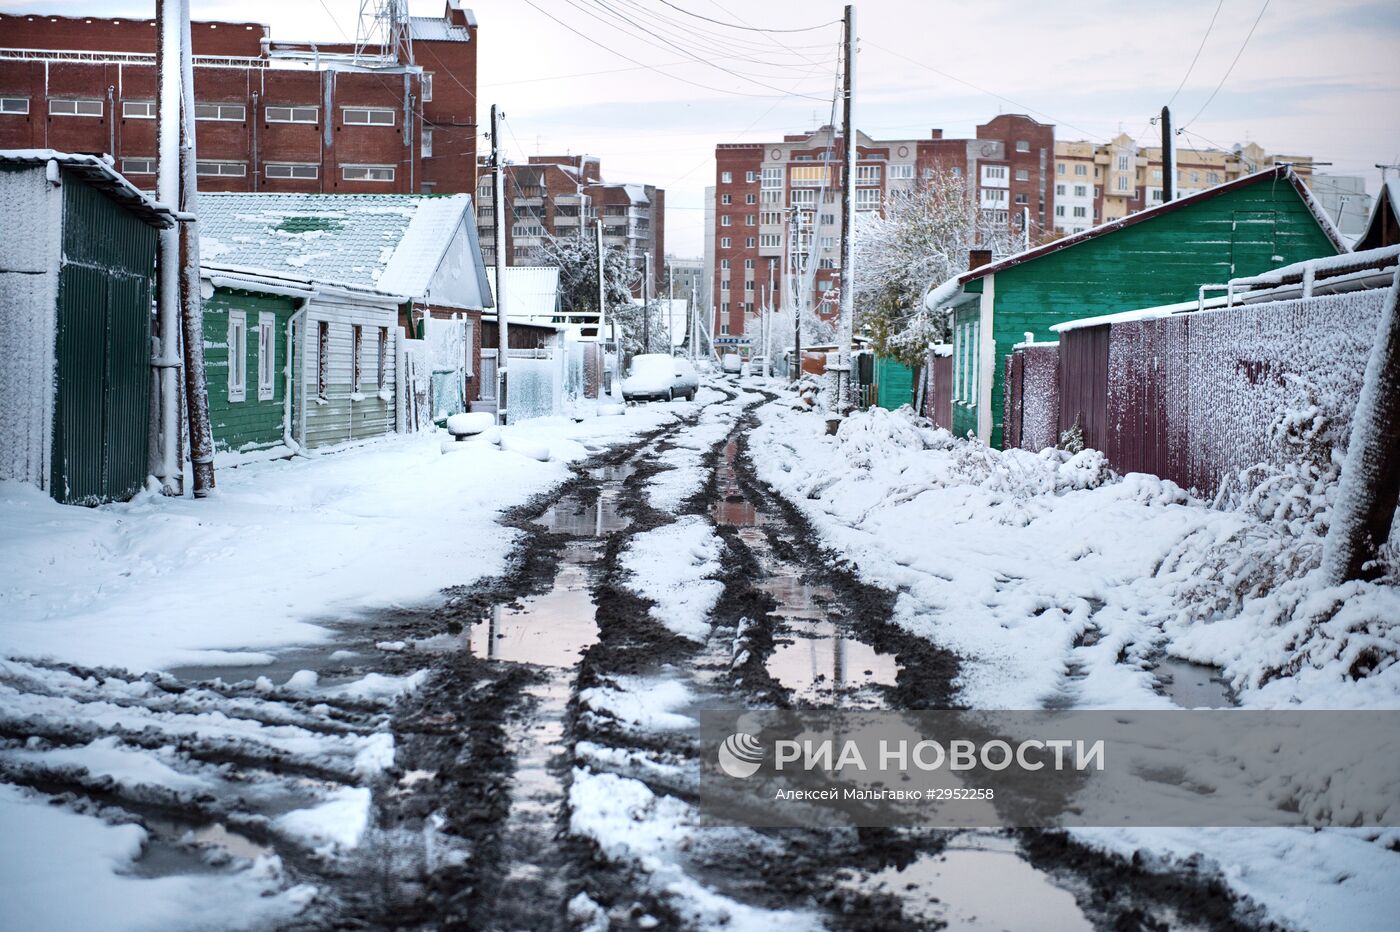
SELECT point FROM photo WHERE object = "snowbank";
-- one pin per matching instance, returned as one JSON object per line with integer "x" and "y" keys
{"x": 671, "y": 566}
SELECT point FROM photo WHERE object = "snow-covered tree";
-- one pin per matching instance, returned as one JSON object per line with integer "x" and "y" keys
{"x": 921, "y": 238}
{"x": 577, "y": 260}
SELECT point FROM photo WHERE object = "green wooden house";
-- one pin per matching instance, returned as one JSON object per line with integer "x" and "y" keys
{"x": 77, "y": 266}
{"x": 1159, "y": 256}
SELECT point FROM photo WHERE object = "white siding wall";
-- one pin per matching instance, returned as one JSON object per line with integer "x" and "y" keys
{"x": 340, "y": 417}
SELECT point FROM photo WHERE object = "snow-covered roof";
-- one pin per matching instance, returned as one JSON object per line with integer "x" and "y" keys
{"x": 532, "y": 291}
{"x": 1283, "y": 172}
{"x": 98, "y": 172}
{"x": 1324, "y": 267}
{"x": 1385, "y": 211}
{"x": 395, "y": 244}
{"x": 437, "y": 29}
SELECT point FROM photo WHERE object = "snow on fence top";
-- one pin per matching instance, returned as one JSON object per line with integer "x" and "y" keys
{"x": 1324, "y": 267}
{"x": 396, "y": 244}
{"x": 98, "y": 172}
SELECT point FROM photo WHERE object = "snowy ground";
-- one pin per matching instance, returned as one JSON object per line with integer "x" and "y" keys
{"x": 248, "y": 579}
{"x": 1062, "y": 586}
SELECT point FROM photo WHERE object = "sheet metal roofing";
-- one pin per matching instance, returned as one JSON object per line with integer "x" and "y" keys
{"x": 390, "y": 243}
{"x": 532, "y": 291}
{"x": 99, "y": 173}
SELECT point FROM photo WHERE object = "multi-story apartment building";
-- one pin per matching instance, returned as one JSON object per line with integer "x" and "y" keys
{"x": 685, "y": 275}
{"x": 272, "y": 115}
{"x": 1006, "y": 167}
{"x": 1097, "y": 183}
{"x": 563, "y": 195}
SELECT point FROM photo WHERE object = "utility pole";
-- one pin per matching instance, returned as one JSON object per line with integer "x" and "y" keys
{"x": 191, "y": 309}
{"x": 694, "y": 319}
{"x": 646, "y": 303}
{"x": 795, "y": 270}
{"x": 768, "y": 322}
{"x": 1385, "y": 170}
{"x": 1168, "y": 157}
{"x": 166, "y": 460}
{"x": 499, "y": 229}
{"x": 1025, "y": 228}
{"x": 844, "y": 392}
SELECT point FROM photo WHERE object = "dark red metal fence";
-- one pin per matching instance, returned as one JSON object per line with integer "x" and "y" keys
{"x": 938, "y": 396}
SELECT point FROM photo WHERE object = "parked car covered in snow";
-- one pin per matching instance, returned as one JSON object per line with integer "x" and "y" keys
{"x": 654, "y": 376}
{"x": 732, "y": 363}
{"x": 687, "y": 381}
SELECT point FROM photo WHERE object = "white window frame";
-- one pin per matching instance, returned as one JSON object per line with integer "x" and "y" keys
{"x": 750, "y": 177}
{"x": 357, "y": 358}
{"x": 382, "y": 341}
{"x": 903, "y": 172}
{"x": 291, "y": 113}
{"x": 771, "y": 178}
{"x": 1023, "y": 145}
{"x": 237, "y": 356}
{"x": 426, "y": 86}
{"x": 323, "y": 360}
{"x": 724, "y": 220}
{"x": 867, "y": 174}
{"x": 138, "y": 109}
{"x": 425, "y": 142}
{"x": 212, "y": 112}
{"x": 220, "y": 169}
{"x": 267, "y": 355}
{"x": 308, "y": 171}
{"x": 129, "y": 166}
{"x": 14, "y": 106}
{"x": 726, "y": 177}
{"x": 724, "y": 242}
{"x": 1081, "y": 171}
{"x": 365, "y": 173}
{"x": 366, "y": 116}
{"x": 73, "y": 105}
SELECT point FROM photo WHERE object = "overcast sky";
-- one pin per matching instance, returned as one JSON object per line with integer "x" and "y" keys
{"x": 1318, "y": 77}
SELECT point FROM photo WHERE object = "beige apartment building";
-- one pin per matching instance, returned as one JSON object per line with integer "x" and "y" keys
{"x": 1099, "y": 182}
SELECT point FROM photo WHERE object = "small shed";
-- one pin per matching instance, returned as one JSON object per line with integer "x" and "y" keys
{"x": 1157, "y": 256}
{"x": 1383, "y": 229}
{"x": 77, "y": 266}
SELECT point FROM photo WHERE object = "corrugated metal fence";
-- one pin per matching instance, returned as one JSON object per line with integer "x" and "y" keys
{"x": 1192, "y": 397}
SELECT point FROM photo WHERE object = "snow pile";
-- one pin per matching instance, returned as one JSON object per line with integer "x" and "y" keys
{"x": 685, "y": 474}
{"x": 670, "y": 567}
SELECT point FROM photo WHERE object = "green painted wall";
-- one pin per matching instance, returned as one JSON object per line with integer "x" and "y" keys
{"x": 251, "y": 424}
{"x": 965, "y": 322}
{"x": 1161, "y": 260}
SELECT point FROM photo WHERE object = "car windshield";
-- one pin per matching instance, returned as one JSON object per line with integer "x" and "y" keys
{"x": 653, "y": 364}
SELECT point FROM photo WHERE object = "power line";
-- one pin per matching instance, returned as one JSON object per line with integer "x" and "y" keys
{"x": 675, "y": 77}
{"x": 1197, "y": 56}
{"x": 1232, "y": 65}
{"x": 720, "y": 22}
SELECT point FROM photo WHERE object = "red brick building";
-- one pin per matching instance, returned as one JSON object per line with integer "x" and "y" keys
{"x": 272, "y": 116}
{"x": 1008, "y": 167}
{"x": 552, "y": 195}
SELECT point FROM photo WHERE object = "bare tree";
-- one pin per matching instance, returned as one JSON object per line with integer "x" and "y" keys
{"x": 1370, "y": 483}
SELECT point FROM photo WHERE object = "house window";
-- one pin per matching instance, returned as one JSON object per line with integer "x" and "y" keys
{"x": 748, "y": 263}
{"x": 237, "y": 355}
{"x": 1059, "y": 210}
{"x": 867, "y": 198}
{"x": 814, "y": 175}
{"x": 1022, "y": 199}
{"x": 724, "y": 263}
{"x": 1080, "y": 190}
{"x": 1081, "y": 170}
{"x": 726, "y": 177}
{"x": 1122, "y": 182}
{"x": 18, "y": 106}
{"x": 750, "y": 177}
{"x": 138, "y": 109}
{"x": 724, "y": 285}
{"x": 425, "y": 142}
{"x": 748, "y": 285}
{"x": 323, "y": 358}
{"x": 901, "y": 172}
{"x": 772, "y": 178}
{"x": 357, "y": 357}
{"x": 726, "y": 199}
{"x": 1023, "y": 174}
{"x": 994, "y": 172}
{"x": 751, "y": 242}
{"x": 724, "y": 220}
{"x": 367, "y": 172}
{"x": 427, "y": 85}
{"x": 210, "y": 169}
{"x": 867, "y": 174}
{"x": 724, "y": 328}
{"x": 724, "y": 242}
{"x": 1060, "y": 168}
{"x": 1156, "y": 174}
{"x": 138, "y": 166}
{"x": 383, "y": 375}
{"x": 267, "y": 355}
{"x": 227, "y": 113}
{"x": 1212, "y": 178}
{"x": 750, "y": 198}
{"x": 1122, "y": 163}
{"x": 1060, "y": 190}
{"x": 1081, "y": 211}
{"x": 366, "y": 116}
{"x": 750, "y": 220}
{"x": 291, "y": 170}
{"x": 770, "y": 240}
{"x": 1023, "y": 145}
{"x": 291, "y": 114}
{"x": 82, "y": 108}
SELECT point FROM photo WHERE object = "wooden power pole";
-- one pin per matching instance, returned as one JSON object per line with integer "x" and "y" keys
{"x": 498, "y": 170}
{"x": 845, "y": 394}
{"x": 1168, "y": 157}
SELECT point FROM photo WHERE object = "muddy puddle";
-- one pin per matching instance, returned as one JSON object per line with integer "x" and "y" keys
{"x": 1193, "y": 685}
{"x": 979, "y": 883}
{"x": 813, "y": 655}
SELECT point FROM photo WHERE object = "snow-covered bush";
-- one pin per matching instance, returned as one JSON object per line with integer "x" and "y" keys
{"x": 868, "y": 437}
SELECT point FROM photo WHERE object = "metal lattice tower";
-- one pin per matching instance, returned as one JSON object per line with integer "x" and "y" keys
{"x": 383, "y": 32}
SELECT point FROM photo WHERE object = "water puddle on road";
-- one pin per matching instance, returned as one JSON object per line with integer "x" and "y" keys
{"x": 813, "y": 657}
{"x": 978, "y": 883}
{"x": 1193, "y": 685}
{"x": 550, "y": 629}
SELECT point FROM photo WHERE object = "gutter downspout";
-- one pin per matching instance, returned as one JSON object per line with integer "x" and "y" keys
{"x": 289, "y": 378}
{"x": 256, "y": 171}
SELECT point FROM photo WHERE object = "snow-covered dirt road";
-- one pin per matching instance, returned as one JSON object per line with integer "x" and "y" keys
{"x": 520, "y": 752}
